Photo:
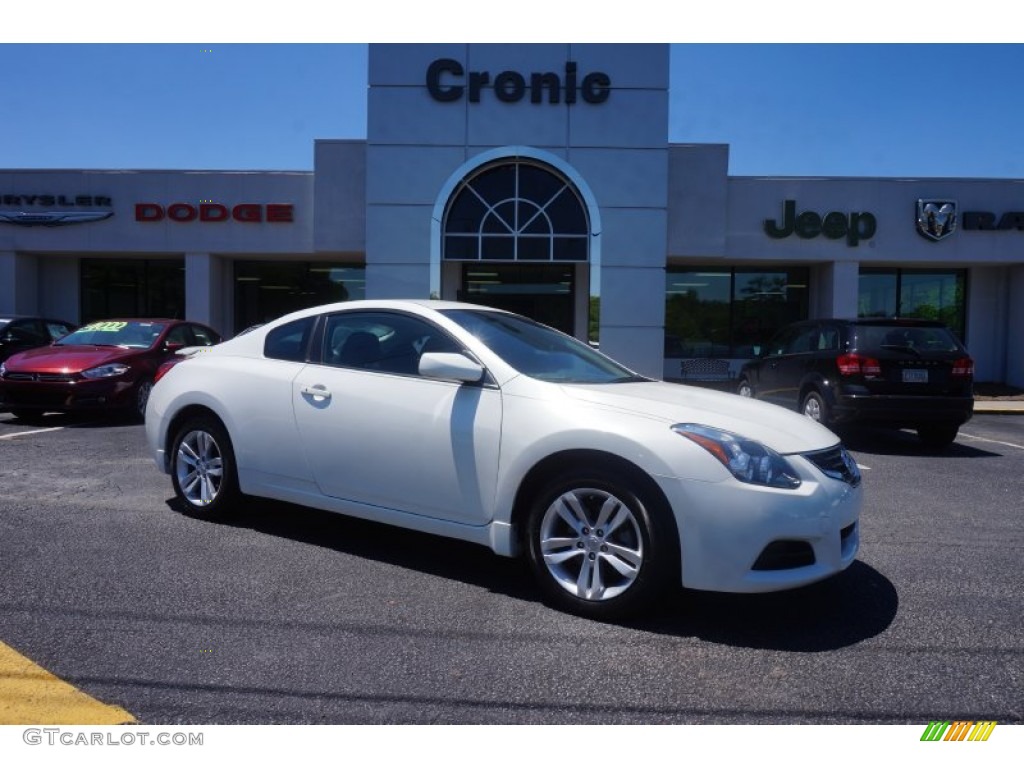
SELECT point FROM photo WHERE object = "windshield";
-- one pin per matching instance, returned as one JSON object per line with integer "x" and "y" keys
{"x": 538, "y": 351}
{"x": 134, "y": 334}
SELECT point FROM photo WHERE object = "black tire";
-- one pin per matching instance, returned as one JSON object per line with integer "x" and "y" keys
{"x": 142, "y": 392}
{"x": 203, "y": 469}
{"x": 626, "y": 565}
{"x": 28, "y": 415}
{"x": 814, "y": 407}
{"x": 745, "y": 388}
{"x": 938, "y": 436}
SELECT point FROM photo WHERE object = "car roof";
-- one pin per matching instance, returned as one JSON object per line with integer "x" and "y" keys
{"x": 382, "y": 304}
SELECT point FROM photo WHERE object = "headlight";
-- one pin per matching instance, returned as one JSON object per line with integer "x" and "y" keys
{"x": 106, "y": 371}
{"x": 747, "y": 460}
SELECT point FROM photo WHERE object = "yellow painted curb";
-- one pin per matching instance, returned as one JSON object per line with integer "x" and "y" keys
{"x": 29, "y": 695}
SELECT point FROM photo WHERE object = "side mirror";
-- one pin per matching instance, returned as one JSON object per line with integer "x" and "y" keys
{"x": 450, "y": 366}
{"x": 173, "y": 346}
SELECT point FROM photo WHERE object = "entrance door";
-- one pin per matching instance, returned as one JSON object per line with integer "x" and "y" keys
{"x": 542, "y": 292}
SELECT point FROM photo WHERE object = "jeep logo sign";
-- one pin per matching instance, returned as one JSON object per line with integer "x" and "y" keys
{"x": 835, "y": 225}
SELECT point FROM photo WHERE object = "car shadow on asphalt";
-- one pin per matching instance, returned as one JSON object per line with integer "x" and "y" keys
{"x": 841, "y": 611}
{"x": 71, "y": 420}
{"x": 899, "y": 442}
{"x": 846, "y": 609}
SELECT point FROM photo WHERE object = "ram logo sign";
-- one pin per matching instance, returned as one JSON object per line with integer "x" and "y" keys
{"x": 936, "y": 219}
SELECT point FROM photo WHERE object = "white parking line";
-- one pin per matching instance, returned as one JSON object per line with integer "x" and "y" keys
{"x": 862, "y": 466}
{"x": 990, "y": 440}
{"x": 30, "y": 432}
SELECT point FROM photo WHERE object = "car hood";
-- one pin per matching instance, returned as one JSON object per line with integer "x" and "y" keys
{"x": 781, "y": 430}
{"x": 67, "y": 359}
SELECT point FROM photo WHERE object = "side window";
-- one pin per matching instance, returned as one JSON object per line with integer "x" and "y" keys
{"x": 179, "y": 335}
{"x": 203, "y": 336}
{"x": 782, "y": 341}
{"x": 828, "y": 339}
{"x": 388, "y": 342}
{"x": 28, "y": 332}
{"x": 57, "y": 330}
{"x": 805, "y": 341}
{"x": 290, "y": 341}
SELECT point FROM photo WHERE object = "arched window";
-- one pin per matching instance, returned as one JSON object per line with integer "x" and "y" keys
{"x": 516, "y": 211}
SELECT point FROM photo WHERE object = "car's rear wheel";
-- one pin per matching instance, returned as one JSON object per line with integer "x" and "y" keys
{"x": 744, "y": 389}
{"x": 203, "y": 469}
{"x": 599, "y": 544}
{"x": 814, "y": 407}
{"x": 938, "y": 435}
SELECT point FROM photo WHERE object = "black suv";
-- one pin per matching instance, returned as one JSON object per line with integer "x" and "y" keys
{"x": 891, "y": 372}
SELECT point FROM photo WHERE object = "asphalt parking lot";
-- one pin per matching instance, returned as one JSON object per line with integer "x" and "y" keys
{"x": 295, "y": 616}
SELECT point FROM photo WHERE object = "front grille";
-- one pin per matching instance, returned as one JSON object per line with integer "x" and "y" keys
{"x": 60, "y": 378}
{"x": 836, "y": 463}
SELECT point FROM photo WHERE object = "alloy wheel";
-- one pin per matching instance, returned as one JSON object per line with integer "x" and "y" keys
{"x": 591, "y": 544}
{"x": 199, "y": 467}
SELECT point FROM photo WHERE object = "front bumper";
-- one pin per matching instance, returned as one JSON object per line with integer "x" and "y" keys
{"x": 727, "y": 528}
{"x": 902, "y": 410}
{"x": 67, "y": 396}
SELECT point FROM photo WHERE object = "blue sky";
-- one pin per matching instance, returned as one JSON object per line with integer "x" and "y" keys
{"x": 837, "y": 109}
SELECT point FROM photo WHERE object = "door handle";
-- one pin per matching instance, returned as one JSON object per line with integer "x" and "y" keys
{"x": 317, "y": 391}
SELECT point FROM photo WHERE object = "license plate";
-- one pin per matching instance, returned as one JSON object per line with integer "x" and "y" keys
{"x": 915, "y": 376}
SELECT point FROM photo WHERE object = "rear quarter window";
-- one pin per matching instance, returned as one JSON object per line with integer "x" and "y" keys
{"x": 290, "y": 341}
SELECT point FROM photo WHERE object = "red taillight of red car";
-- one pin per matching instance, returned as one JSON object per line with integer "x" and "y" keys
{"x": 963, "y": 367}
{"x": 164, "y": 368}
{"x": 852, "y": 364}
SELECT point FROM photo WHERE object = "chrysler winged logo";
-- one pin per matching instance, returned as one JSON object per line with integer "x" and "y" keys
{"x": 52, "y": 218}
{"x": 936, "y": 219}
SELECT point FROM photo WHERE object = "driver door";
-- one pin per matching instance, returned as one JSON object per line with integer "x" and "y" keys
{"x": 377, "y": 433}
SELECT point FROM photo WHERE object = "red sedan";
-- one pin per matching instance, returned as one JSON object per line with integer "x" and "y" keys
{"x": 108, "y": 365}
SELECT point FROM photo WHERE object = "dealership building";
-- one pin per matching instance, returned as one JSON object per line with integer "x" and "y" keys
{"x": 537, "y": 178}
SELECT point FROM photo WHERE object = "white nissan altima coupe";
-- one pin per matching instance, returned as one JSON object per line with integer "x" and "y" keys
{"x": 482, "y": 425}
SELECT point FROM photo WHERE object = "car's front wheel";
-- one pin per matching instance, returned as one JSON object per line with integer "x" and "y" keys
{"x": 142, "y": 392}
{"x": 745, "y": 389}
{"x": 600, "y": 545}
{"x": 203, "y": 469}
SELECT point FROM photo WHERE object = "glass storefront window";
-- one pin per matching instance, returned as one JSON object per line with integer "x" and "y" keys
{"x": 265, "y": 290}
{"x": 132, "y": 288}
{"x": 923, "y": 293}
{"x": 725, "y": 313}
{"x": 543, "y": 292}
